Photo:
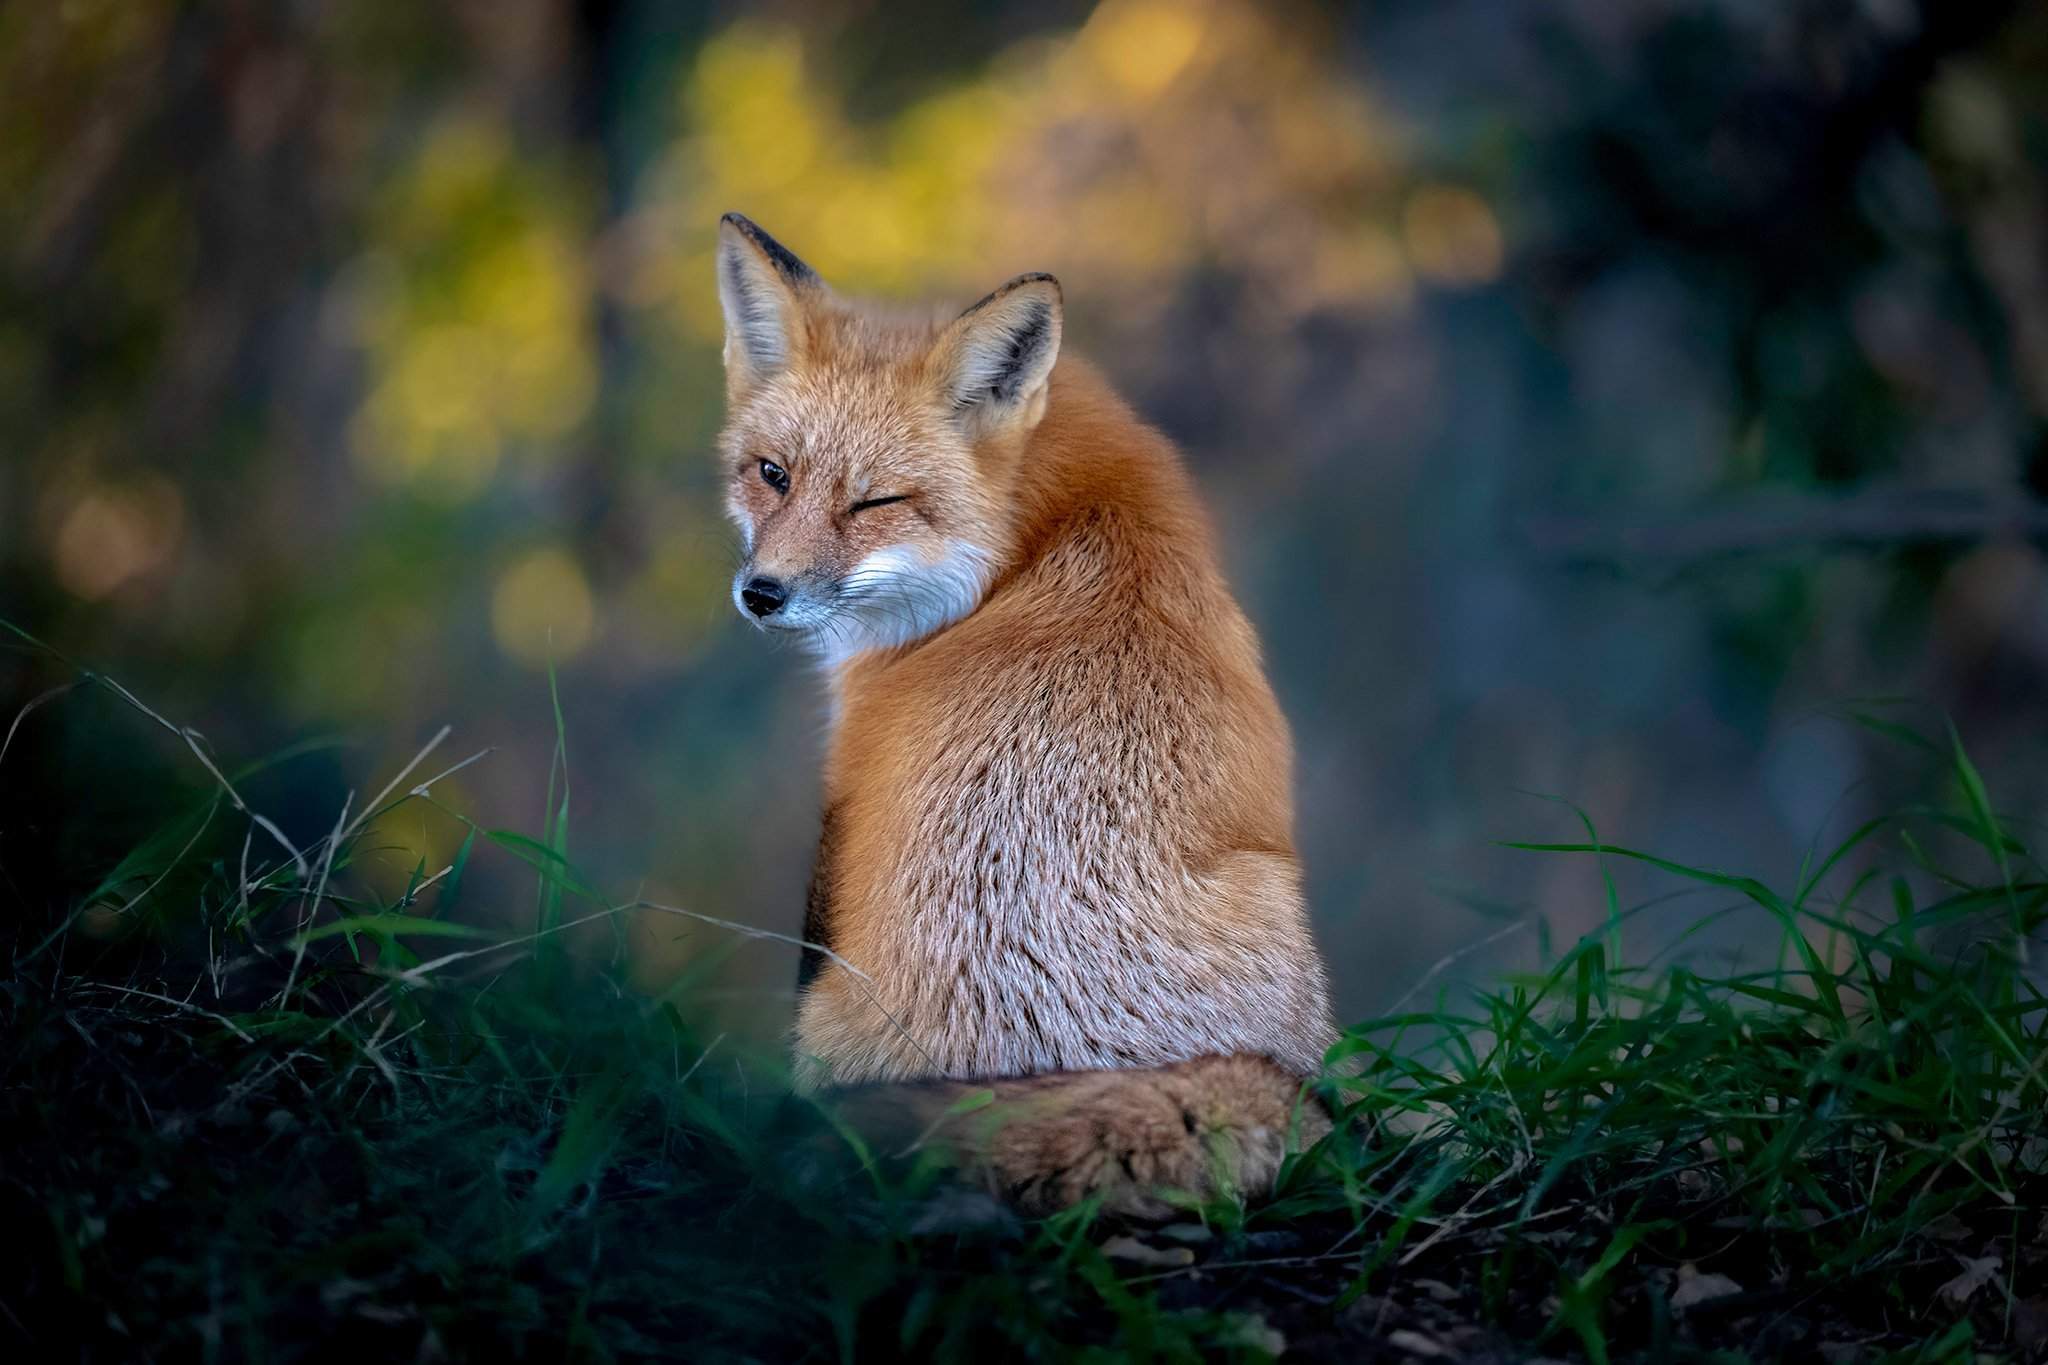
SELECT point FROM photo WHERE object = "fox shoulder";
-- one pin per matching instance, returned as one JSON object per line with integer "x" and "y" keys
{"x": 1209, "y": 1126}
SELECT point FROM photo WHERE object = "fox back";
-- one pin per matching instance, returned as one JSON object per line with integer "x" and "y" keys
{"x": 1058, "y": 815}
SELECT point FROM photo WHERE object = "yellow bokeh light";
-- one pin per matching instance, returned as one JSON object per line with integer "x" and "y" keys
{"x": 1451, "y": 235}
{"x": 1143, "y": 44}
{"x": 1162, "y": 136}
{"x": 541, "y": 608}
{"x": 1159, "y": 138}
{"x": 113, "y": 533}
{"x": 397, "y": 842}
{"x": 750, "y": 86}
{"x": 477, "y": 318}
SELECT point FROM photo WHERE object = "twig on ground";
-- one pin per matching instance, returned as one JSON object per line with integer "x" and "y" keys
{"x": 311, "y": 908}
{"x": 33, "y": 702}
{"x": 374, "y": 807}
{"x": 186, "y": 1005}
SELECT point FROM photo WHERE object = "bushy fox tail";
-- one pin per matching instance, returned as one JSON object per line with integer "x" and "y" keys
{"x": 1207, "y": 1126}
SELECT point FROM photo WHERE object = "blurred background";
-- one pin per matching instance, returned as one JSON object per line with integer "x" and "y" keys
{"x": 1595, "y": 398}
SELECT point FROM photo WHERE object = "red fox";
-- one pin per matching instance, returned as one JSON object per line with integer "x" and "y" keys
{"x": 1057, "y": 858}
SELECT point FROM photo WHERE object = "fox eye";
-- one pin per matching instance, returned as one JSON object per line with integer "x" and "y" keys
{"x": 877, "y": 502}
{"x": 775, "y": 476}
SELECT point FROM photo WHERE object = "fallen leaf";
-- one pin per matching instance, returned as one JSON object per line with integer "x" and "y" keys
{"x": 1947, "y": 1228}
{"x": 1693, "y": 1287}
{"x": 342, "y": 1288}
{"x": 1977, "y": 1273}
{"x": 1438, "y": 1290}
{"x": 1193, "y": 1233}
{"x": 1141, "y": 1253}
{"x": 1416, "y": 1344}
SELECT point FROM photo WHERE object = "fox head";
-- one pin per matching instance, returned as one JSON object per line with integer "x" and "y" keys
{"x": 868, "y": 456}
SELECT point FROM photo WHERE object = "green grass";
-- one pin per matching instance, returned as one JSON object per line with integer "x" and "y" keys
{"x": 257, "y": 1111}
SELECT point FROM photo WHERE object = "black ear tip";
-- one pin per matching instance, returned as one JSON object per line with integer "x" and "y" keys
{"x": 784, "y": 260}
{"x": 1012, "y": 286}
{"x": 749, "y": 229}
{"x": 1039, "y": 277}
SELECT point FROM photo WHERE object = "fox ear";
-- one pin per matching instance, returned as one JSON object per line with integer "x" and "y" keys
{"x": 762, "y": 286}
{"x": 997, "y": 356}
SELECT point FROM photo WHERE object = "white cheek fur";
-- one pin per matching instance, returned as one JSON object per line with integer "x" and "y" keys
{"x": 896, "y": 595}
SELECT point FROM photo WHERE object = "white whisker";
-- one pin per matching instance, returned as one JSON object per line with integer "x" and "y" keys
{"x": 896, "y": 595}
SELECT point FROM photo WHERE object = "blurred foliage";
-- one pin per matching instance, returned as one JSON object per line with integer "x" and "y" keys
{"x": 1541, "y": 361}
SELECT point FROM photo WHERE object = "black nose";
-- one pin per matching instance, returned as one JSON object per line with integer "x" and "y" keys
{"x": 764, "y": 596}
